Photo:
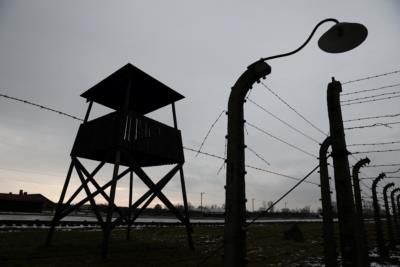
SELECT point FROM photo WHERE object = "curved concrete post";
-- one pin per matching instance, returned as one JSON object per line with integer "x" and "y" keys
{"x": 382, "y": 250}
{"x": 388, "y": 216}
{"x": 328, "y": 231}
{"x": 362, "y": 234}
{"x": 396, "y": 232}
{"x": 235, "y": 195}
{"x": 398, "y": 208}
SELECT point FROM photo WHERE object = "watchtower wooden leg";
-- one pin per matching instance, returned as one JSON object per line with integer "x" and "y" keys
{"x": 189, "y": 228}
{"x": 59, "y": 204}
{"x": 129, "y": 222}
{"x": 108, "y": 227}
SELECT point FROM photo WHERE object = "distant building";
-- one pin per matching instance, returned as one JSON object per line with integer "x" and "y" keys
{"x": 24, "y": 202}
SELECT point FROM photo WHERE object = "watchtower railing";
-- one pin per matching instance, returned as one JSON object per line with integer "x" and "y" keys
{"x": 149, "y": 142}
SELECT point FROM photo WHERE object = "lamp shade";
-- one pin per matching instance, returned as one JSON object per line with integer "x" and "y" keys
{"x": 342, "y": 37}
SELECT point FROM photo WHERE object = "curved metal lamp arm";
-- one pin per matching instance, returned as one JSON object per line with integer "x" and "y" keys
{"x": 305, "y": 43}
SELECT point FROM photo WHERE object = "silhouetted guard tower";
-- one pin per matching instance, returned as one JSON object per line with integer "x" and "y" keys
{"x": 125, "y": 138}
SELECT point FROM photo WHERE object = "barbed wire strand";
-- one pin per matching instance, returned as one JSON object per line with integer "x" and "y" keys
{"x": 373, "y": 89}
{"x": 249, "y": 166}
{"x": 398, "y": 170}
{"x": 280, "y": 174}
{"x": 379, "y": 124}
{"x": 258, "y": 155}
{"x": 375, "y": 151}
{"x": 284, "y": 122}
{"x": 221, "y": 167}
{"x": 41, "y": 106}
{"x": 204, "y": 153}
{"x": 371, "y": 100}
{"x": 225, "y": 152}
{"x": 209, "y": 131}
{"x": 281, "y": 140}
{"x": 372, "y": 77}
{"x": 368, "y": 97}
{"x": 374, "y": 117}
{"x": 293, "y": 109}
{"x": 382, "y": 165}
{"x": 376, "y": 144}
{"x": 282, "y": 197}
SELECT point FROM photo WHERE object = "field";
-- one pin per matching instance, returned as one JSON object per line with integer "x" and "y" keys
{"x": 159, "y": 246}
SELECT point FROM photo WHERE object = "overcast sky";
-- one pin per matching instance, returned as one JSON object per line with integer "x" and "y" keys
{"x": 52, "y": 51}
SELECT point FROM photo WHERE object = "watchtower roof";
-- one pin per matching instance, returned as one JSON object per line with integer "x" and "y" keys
{"x": 147, "y": 94}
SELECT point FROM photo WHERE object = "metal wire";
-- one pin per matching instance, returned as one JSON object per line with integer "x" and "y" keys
{"x": 248, "y": 166}
{"x": 373, "y": 89}
{"x": 372, "y": 100}
{"x": 374, "y": 117}
{"x": 375, "y": 151}
{"x": 209, "y": 131}
{"x": 204, "y": 153}
{"x": 284, "y": 122}
{"x": 41, "y": 106}
{"x": 282, "y": 141}
{"x": 293, "y": 109}
{"x": 225, "y": 152}
{"x": 372, "y": 77}
{"x": 382, "y": 165}
{"x": 282, "y": 197}
{"x": 376, "y": 144}
{"x": 257, "y": 155}
{"x": 373, "y": 125}
{"x": 368, "y": 97}
{"x": 398, "y": 170}
{"x": 220, "y": 168}
{"x": 280, "y": 174}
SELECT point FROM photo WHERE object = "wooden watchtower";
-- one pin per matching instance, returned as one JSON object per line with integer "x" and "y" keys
{"x": 125, "y": 138}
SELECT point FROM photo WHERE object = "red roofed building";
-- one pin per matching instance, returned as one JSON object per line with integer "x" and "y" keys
{"x": 24, "y": 202}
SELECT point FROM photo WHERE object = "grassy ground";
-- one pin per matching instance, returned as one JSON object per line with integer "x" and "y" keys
{"x": 165, "y": 246}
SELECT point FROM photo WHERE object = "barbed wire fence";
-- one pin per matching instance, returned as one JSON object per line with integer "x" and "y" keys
{"x": 348, "y": 102}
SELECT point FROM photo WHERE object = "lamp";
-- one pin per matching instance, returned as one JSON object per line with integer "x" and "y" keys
{"x": 341, "y": 37}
